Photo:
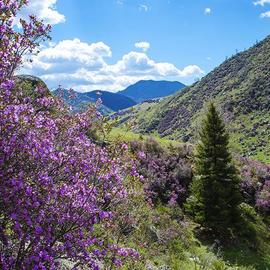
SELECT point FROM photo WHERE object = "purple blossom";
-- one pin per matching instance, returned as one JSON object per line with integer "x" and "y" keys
{"x": 166, "y": 174}
{"x": 57, "y": 187}
{"x": 7, "y": 85}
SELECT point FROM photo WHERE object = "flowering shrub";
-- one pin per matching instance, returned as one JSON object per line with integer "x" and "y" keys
{"x": 168, "y": 172}
{"x": 263, "y": 198}
{"x": 55, "y": 185}
{"x": 58, "y": 189}
{"x": 255, "y": 183}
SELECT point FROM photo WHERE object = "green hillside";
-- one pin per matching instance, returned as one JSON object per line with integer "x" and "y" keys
{"x": 240, "y": 87}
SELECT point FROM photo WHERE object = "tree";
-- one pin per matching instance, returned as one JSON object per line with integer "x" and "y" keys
{"x": 215, "y": 191}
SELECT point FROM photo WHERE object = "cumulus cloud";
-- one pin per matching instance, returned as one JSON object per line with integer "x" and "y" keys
{"x": 143, "y": 7}
{"x": 69, "y": 55}
{"x": 84, "y": 66}
{"x": 261, "y": 2}
{"x": 143, "y": 45}
{"x": 265, "y": 14}
{"x": 207, "y": 11}
{"x": 43, "y": 9}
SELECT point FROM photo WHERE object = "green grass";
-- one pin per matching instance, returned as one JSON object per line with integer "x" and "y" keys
{"x": 127, "y": 135}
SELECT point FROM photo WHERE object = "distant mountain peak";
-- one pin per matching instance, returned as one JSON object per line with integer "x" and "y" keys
{"x": 150, "y": 89}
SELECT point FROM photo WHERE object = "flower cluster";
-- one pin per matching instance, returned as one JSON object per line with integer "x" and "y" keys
{"x": 255, "y": 183}
{"x": 56, "y": 185}
{"x": 167, "y": 172}
{"x": 58, "y": 188}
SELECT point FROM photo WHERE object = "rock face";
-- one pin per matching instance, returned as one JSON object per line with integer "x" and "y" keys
{"x": 240, "y": 87}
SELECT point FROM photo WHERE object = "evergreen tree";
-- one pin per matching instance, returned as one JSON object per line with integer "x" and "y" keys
{"x": 215, "y": 192}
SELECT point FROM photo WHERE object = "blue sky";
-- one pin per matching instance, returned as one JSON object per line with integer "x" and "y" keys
{"x": 93, "y": 44}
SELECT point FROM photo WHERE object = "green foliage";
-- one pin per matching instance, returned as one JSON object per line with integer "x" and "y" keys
{"x": 253, "y": 229}
{"x": 215, "y": 191}
{"x": 244, "y": 258}
{"x": 166, "y": 238}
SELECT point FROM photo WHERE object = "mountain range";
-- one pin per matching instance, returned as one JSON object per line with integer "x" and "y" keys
{"x": 112, "y": 102}
{"x": 240, "y": 87}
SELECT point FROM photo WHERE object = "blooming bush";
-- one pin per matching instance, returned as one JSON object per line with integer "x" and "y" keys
{"x": 168, "y": 172}
{"x": 55, "y": 185}
{"x": 58, "y": 189}
{"x": 255, "y": 183}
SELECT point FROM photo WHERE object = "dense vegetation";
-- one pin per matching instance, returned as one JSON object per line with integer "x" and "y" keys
{"x": 59, "y": 190}
{"x": 75, "y": 194}
{"x": 240, "y": 87}
{"x": 168, "y": 172}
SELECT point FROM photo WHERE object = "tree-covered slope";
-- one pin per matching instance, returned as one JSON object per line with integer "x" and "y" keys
{"x": 240, "y": 87}
{"x": 149, "y": 89}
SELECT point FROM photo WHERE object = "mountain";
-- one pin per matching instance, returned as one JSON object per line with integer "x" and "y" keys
{"x": 110, "y": 101}
{"x": 149, "y": 89}
{"x": 240, "y": 87}
{"x": 114, "y": 101}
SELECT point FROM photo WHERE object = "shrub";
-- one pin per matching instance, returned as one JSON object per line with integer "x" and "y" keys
{"x": 58, "y": 189}
{"x": 167, "y": 172}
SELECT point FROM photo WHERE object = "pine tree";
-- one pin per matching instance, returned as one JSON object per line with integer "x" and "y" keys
{"x": 215, "y": 192}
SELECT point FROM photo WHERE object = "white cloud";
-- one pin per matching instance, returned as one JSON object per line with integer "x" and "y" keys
{"x": 191, "y": 70}
{"x": 261, "y": 2}
{"x": 70, "y": 55}
{"x": 207, "y": 11}
{"x": 83, "y": 66}
{"x": 265, "y": 15}
{"x": 120, "y": 2}
{"x": 143, "y": 7}
{"x": 43, "y": 9}
{"x": 143, "y": 45}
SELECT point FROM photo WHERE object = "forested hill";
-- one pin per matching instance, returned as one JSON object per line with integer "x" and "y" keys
{"x": 240, "y": 87}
